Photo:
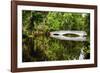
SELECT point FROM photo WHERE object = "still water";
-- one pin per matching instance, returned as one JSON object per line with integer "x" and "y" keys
{"x": 47, "y": 47}
{"x": 54, "y": 48}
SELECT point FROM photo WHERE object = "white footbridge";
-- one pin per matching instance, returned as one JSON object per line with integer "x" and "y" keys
{"x": 60, "y": 35}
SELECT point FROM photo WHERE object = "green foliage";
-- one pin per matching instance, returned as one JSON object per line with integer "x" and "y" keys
{"x": 39, "y": 46}
{"x": 71, "y": 35}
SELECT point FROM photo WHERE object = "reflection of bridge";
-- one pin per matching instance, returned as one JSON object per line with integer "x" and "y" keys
{"x": 60, "y": 35}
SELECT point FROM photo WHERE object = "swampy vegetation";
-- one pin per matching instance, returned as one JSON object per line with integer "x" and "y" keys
{"x": 37, "y": 45}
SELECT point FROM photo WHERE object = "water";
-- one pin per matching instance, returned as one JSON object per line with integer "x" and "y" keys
{"x": 58, "y": 49}
{"x": 43, "y": 47}
{"x": 60, "y": 35}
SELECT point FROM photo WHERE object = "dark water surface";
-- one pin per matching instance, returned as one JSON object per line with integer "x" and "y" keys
{"x": 46, "y": 48}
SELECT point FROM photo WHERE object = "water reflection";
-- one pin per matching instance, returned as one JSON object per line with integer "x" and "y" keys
{"x": 39, "y": 45}
{"x": 46, "y": 48}
{"x": 55, "y": 49}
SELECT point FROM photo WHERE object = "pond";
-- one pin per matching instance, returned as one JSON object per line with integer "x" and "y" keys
{"x": 47, "y": 48}
{"x": 55, "y": 36}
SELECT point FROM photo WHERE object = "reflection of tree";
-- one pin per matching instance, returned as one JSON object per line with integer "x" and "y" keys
{"x": 38, "y": 46}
